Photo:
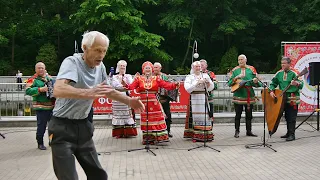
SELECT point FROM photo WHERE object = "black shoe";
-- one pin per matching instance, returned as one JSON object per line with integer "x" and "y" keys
{"x": 236, "y": 135}
{"x": 249, "y": 133}
{"x": 170, "y": 135}
{"x": 285, "y": 136}
{"x": 42, "y": 147}
{"x": 291, "y": 138}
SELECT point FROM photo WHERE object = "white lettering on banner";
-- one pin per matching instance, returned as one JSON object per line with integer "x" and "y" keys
{"x": 103, "y": 100}
{"x": 308, "y": 92}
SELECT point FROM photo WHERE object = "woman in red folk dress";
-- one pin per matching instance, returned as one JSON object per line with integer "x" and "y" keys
{"x": 149, "y": 84}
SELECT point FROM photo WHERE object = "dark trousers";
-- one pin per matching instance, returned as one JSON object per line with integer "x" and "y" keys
{"x": 19, "y": 80}
{"x": 166, "y": 109}
{"x": 90, "y": 115}
{"x": 70, "y": 139}
{"x": 43, "y": 116}
{"x": 290, "y": 114}
{"x": 210, "y": 110}
{"x": 239, "y": 108}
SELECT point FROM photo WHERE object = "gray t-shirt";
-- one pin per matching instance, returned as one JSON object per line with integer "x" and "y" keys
{"x": 82, "y": 76}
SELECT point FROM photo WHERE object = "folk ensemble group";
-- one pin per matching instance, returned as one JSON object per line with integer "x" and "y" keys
{"x": 82, "y": 78}
{"x": 153, "y": 87}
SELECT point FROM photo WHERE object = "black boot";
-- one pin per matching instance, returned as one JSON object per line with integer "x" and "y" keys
{"x": 42, "y": 147}
{"x": 236, "y": 134}
{"x": 285, "y": 136}
{"x": 291, "y": 137}
{"x": 249, "y": 133}
{"x": 291, "y": 132}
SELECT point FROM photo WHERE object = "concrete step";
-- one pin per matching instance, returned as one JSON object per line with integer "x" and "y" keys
{"x": 177, "y": 118}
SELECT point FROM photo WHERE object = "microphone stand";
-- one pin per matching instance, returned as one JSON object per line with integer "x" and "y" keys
{"x": 205, "y": 121}
{"x": 316, "y": 110}
{"x": 147, "y": 146}
{"x": 264, "y": 144}
{"x": 1, "y": 133}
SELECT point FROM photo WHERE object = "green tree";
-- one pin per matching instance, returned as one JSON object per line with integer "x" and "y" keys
{"x": 123, "y": 22}
{"x": 48, "y": 55}
{"x": 228, "y": 61}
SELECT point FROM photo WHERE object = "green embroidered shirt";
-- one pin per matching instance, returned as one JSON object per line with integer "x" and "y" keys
{"x": 40, "y": 100}
{"x": 244, "y": 95}
{"x": 283, "y": 79}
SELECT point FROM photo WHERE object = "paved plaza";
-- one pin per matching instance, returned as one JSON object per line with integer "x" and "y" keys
{"x": 20, "y": 160}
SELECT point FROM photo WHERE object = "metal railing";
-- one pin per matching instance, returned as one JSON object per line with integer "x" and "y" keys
{"x": 14, "y": 101}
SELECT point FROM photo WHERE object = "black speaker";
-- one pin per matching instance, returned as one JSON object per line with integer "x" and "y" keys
{"x": 314, "y": 73}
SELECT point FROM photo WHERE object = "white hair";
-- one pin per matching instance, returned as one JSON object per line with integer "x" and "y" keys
{"x": 120, "y": 62}
{"x": 242, "y": 56}
{"x": 157, "y": 64}
{"x": 203, "y": 60}
{"x": 39, "y": 63}
{"x": 89, "y": 37}
{"x": 192, "y": 66}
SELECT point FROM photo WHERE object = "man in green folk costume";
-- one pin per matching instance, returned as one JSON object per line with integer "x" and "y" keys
{"x": 284, "y": 78}
{"x": 244, "y": 96}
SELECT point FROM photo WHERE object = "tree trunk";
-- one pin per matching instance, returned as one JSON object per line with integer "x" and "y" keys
{"x": 189, "y": 42}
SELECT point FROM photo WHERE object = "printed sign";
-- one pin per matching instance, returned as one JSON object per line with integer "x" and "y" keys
{"x": 103, "y": 105}
{"x": 301, "y": 55}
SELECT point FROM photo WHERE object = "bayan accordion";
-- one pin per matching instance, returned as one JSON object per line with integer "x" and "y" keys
{"x": 171, "y": 94}
{"x": 50, "y": 89}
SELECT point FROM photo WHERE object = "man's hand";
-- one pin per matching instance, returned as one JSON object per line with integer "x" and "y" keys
{"x": 136, "y": 104}
{"x": 294, "y": 83}
{"x": 43, "y": 89}
{"x": 272, "y": 94}
{"x": 255, "y": 80}
{"x": 100, "y": 90}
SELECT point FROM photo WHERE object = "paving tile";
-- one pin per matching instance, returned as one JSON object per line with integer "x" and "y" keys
{"x": 21, "y": 160}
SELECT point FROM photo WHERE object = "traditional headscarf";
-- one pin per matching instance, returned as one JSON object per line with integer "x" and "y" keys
{"x": 120, "y": 63}
{"x": 192, "y": 66}
{"x": 145, "y": 64}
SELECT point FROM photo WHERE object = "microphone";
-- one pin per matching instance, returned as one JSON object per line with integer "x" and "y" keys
{"x": 76, "y": 47}
{"x": 111, "y": 71}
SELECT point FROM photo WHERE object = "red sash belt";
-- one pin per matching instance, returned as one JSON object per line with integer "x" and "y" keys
{"x": 248, "y": 96}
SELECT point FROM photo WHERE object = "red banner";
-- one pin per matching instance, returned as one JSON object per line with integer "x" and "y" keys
{"x": 104, "y": 105}
{"x": 301, "y": 55}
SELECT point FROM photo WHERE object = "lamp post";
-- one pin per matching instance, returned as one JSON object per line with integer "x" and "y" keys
{"x": 195, "y": 54}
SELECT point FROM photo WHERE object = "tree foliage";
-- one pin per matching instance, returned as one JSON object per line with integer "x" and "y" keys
{"x": 228, "y": 61}
{"x": 155, "y": 30}
{"x": 47, "y": 54}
